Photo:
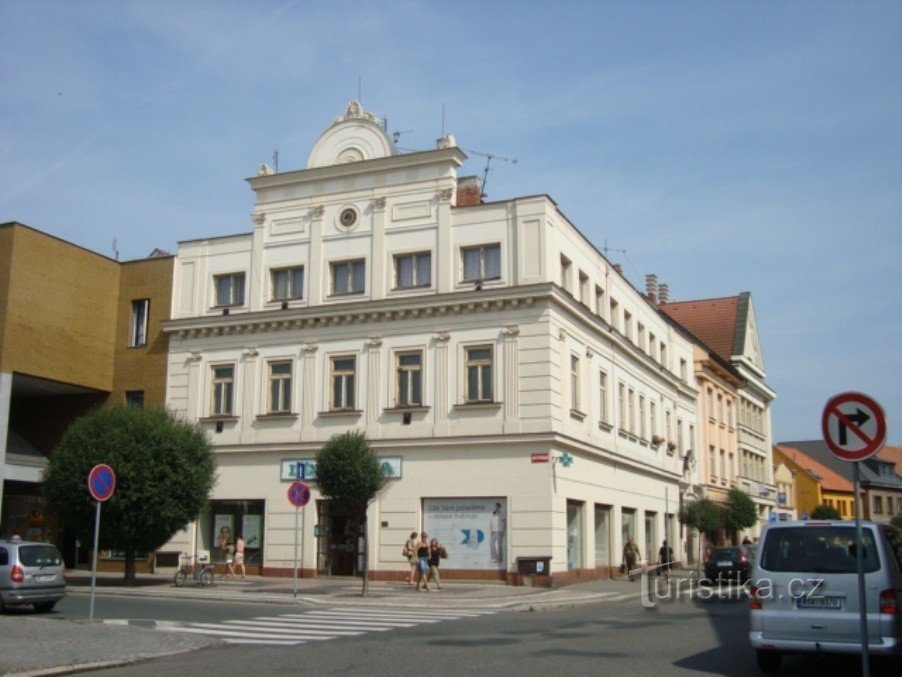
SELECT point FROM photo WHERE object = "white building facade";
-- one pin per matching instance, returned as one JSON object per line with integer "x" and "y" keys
{"x": 526, "y": 400}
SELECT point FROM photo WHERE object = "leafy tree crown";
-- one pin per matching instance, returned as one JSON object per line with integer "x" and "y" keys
{"x": 348, "y": 470}
{"x": 740, "y": 511}
{"x": 825, "y": 512}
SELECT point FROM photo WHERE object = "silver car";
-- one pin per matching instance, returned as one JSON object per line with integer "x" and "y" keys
{"x": 30, "y": 573}
{"x": 804, "y": 591}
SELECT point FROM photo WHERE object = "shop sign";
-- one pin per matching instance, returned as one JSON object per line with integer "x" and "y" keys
{"x": 297, "y": 469}
{"x": 474, "y": 530}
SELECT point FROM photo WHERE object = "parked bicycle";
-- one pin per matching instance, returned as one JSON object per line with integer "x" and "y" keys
{"x": 201, "y": 573}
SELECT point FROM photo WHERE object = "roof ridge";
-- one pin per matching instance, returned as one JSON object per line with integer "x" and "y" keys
{"x": 712, "y": 298}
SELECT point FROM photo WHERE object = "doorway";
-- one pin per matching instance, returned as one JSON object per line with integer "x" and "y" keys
{"x": 336, "y": 539}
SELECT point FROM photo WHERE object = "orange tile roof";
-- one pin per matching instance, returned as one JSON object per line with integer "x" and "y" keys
{"x": 830, "y": 480}
{"x": 711, "y": 320}
{"x": 893, "y": 455}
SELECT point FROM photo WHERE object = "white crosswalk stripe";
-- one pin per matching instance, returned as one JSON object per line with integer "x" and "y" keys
{"x": 317, "y": 625}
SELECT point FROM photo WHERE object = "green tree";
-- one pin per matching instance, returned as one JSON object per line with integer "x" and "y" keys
{"x": 164, "y": 472}
{"x": 705, "y": 516}
{"x": 896, "y": 521}
{"x": 349, "y": 473}
{"x": 740, "y": 512}
{"x": 825, "y": 512}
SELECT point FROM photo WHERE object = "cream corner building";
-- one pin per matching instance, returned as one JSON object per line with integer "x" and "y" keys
{"x": 470, "y": 341}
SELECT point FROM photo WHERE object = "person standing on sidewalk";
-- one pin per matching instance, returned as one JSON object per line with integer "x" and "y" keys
{"x": 423, "y": 562}
{"x": 665, "y": 557}
{"x": 239, "y": 555}
{"x": 630, "y": 556}
{"x": 410, "y": 552}
{"x": 435, "y": 558}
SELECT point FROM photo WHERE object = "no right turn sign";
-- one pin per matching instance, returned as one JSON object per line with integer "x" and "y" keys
{"x": 854, "y": 426}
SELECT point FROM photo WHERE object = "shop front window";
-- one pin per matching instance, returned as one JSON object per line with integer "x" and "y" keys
{"x": 225, "y": 522}
{"x": 574, "y": 535}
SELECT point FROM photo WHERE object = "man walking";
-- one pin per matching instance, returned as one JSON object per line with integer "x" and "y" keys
{"x": 665, "y": 557}
{"x": 630, "y": 556}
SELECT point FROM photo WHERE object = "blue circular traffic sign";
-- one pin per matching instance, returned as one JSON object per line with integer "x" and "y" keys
{"x": 298, "y": 494}
{"x": 101, "y": 482}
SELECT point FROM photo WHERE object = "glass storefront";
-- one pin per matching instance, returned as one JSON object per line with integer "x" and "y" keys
{"x": 602, "y": 535}
{"x": 574, "y": 535}
{"x": 224, "y": 521}
{"x": 651, "y": 536}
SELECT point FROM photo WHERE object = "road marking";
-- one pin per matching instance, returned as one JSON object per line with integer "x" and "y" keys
{"x": 314, "y": 625}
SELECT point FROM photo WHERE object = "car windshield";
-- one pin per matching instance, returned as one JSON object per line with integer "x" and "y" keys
{"x": 39, "y": 556}
{"x": 817, "y": 549}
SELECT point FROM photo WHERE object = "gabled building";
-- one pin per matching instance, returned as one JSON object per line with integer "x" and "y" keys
{"x": 880, "y": 483}
{"x": 816, "y": 484}
{"x": 525, "y": 398}
{"x": 77, "y": 330}
{"x": 729, "y": 327}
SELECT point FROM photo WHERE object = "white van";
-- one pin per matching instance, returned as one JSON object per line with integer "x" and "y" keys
{"x": 804, "y": 591}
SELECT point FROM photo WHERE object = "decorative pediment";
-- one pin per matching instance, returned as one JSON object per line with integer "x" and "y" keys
{"x": 747, "y": 344}
{"x": 353, "y": 137}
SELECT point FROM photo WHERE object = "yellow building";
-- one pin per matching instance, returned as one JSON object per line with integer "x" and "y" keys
{"x": 816, "y": 484}
{"x": 77, "y": 330}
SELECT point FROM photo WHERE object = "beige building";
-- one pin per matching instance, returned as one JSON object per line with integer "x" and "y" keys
{"x": 77, "y": 329}
{"x": 526, "y": 400}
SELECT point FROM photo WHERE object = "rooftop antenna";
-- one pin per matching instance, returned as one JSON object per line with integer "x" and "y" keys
{"x": 359, "y": 83}
{"x": 443, "y": 122}
{"x": 115, "y": 249}
{"x": 607, "y": 250}
{"x": 275, "y": 160}
{"x": 488, "y": 161}
{"x": 397, "y": 134}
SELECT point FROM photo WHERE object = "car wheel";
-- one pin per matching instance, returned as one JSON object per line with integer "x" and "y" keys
{"x": 44, "y": 607}
{"x": 769, "y": 661}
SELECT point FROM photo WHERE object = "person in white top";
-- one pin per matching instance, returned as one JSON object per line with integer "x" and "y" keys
{"x": 497, "y": 528}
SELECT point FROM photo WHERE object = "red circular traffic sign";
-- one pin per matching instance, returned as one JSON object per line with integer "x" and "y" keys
{"x": 101, "y": 482}
{"x": 298, "y": 494}
{"x": 854, "y": 426}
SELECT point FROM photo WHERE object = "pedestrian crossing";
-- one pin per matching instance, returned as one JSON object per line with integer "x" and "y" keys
{"x": 318, "y": 625}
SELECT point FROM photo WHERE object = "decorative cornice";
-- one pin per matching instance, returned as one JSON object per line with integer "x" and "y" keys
{"x": 442, "y": 336}
{"x": 249, "y": 352}
{"x": 510, "y": 331}
{"x": 374, "y": 342}
{"x": 309, "y": 348}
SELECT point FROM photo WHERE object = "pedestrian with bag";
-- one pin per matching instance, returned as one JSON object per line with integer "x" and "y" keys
{"x": 410, "y": 553}
{"x": 423, "y": 562}
{"x": 436, "y": 553}
{"x": 630, "y": 556}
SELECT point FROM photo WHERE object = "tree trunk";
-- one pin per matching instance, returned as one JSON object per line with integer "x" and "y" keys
{"x": 130, "y": 578}
{"x": 366, "y": 559}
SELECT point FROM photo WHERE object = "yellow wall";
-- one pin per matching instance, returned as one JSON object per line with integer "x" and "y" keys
{"x": 843, "y": 501}
{"x": 807, "y": 489}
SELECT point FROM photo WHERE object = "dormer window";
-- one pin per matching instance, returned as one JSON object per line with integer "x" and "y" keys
{"x": 229, "y": 289}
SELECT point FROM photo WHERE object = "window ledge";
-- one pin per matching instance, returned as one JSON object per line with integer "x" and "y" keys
{"x": 643, "y": 441}
{"x": 622, "y": 432}
{"x": 276, "y": 416}
{"x": 607, "y": 427}
{"x": 478, "y": 405}
{"x": 337, "y": 413}
{"x": 225, "y": 418}
{"x": 412, "y": 409}
{"x": 342, "y": 294}
{"x": 578, "y": 415}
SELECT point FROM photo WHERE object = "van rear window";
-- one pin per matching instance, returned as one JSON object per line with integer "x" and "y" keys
{"x": 39, "y": 556}
{"x": 821, "y": 549}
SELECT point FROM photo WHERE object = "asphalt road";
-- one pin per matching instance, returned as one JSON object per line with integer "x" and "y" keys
{"x": 688, "y": 636}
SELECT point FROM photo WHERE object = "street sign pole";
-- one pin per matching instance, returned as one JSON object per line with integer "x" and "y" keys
{"x": 859, "y": 563}
{"x": 94, "y": 561}
{"x": 296, "y": 511}
{"x": 298, "y": 496}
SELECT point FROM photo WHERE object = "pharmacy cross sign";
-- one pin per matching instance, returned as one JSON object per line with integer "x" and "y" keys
{"x": 854, "y": 426}
{"x": 566, "y": 460}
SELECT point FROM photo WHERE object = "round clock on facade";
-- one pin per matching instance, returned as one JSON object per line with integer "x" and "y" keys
{"x": 348, "y": 217}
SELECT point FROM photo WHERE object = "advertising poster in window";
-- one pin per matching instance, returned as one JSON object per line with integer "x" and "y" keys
{"x": 473, "y": 530}
{"x": 251, "y": 530}
{"x": 224, "y": 530}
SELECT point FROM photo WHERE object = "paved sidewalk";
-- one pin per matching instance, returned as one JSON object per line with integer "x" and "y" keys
{"x": 31, "y": 645}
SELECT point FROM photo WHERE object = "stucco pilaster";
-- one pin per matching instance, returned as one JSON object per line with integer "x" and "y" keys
{"x": 245, "y": 408}
{"x": 373, "y": 378}
{"x": 442, "y": 385}
{"x": 193, "y": 402}
{"x": 377, "y": 251}
{"x": 510, "y": 365}
{"x": 315, "y": 274}
{"x": 308, "y": 395}
{"x": 444, "y": 247}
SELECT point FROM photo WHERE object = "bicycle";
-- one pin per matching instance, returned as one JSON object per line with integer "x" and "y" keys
{"x": 201, "y": 573}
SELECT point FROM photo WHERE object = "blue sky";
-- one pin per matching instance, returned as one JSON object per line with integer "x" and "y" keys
{"x": 725, "y": 146}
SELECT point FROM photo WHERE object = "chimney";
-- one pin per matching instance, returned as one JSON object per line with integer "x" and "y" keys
{"x": 619, "y": 268}
{"x": 651, "y": 288}
{"x": 663, "y": 293}
{"x": 468, "y": 192}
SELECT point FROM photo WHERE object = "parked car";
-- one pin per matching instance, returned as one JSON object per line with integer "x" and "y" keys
{"x": 804, "y": 591}
{"x": 732, "y": 563}
{"x": 30, "y": 573}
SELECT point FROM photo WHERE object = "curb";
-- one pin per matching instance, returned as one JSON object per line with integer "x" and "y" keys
{"x": 76, "y": 668}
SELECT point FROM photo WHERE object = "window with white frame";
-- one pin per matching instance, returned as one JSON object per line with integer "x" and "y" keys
{"x": 729, "y": 406}
{"x": 710, "y": 400}
{"x": 628, "y": 324}
{"x": 652, "y": 346}
{"x": 691, "y": 436}
{"x": 279, "y": 387}
{"x": 621, "y": 406}
{"x": 287, "y": 283}
{"x": 223, "y": 389}
{"x": 712, "y": 467}
{"x": 640, "y": 338}
{"x": 478, "y": 368}
{"x": 615, "y": 314}
{"x": 664, "y": 354}
{"x": 348, "y": 277}
{"x": 599, "y": 301}
{"x": 138, "y": 331}
{"x": 413, "y": 270}
{"x": 229, "y": 289}
{"x": 603, "y": 397}
{"x": 720, "y": 408}
{"x": 481, "y": 263}
{"x": 631, "y": 403}
{"x": 642, "y": 427}
{"x": 667, "y": 430}
{"x": 684, "y": 371}
{"x": 574, "y": 383}
{"x": 653, "y": 418}
{"x": 343, "y": 376}
{"x": 409, "y": 370}
{"x": 583, "y": 288}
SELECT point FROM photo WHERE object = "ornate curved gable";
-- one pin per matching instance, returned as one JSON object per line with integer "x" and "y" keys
{"x": 352, "y": 137}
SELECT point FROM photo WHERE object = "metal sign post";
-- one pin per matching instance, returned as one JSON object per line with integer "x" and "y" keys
{"x": 297, "y": 509}
{"x": 854, "y": 428}
{"x": 298, "y": 496}
{"x": 101, "y": 485}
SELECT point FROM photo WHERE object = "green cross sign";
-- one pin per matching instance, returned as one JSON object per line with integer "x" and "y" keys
{"x": 566, "y": 460}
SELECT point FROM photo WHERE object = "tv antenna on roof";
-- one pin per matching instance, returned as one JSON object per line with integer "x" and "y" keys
{"x": 607, "y": 249}
{"x": 397, "y": 133}
{"x": 488, "y": 162}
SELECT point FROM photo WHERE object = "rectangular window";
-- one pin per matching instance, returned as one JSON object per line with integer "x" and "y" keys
{"x": 565, "y": 273}
{"x": 223, "y": 389}
{"x": 691, "y": 436}
{"x": 653, "y": 418}
{"x": 574, "y": 383}
{"x": 723, "y": 463}
{"x": 720, "y": 408}
{"x": 134, "y": 399}
{"x": 481, "y": 263}
{"x": 603, "y": 397}
{"x": 599, "y": 301}
{"x": 279, "y": 387}
{"x": 684, "y": 371}
{"x": 584, "y": 288}
{"x": 343, "y": 388}
{"x": 287, "y": 283}
{"x": 729, "y": 413}
{"x": 652, "y": 346}
{"x": 667, "y": 430}
{"x": 640, "y": 338}
{"x": 615, "y": 314}
{"x": 410, "y": 379}
{"x": 348, "y": 277}
{"x": 878, "y": 505}
{"x": 479, "y": 374}
{"x": 680, "y": 442}
{"x": 628, "y": 324}
{"x": 229, "y": 289}
{"x": 413, "y": 270}
{"x": 138, "y": 332}
{"x": 642, "y": 429}
{"x": 621, "y": 406}
{"x": 632, "y": 410}
{"x": 712, "y": 462}
{"x": 710, "y": 402}
{"x": 889, "y": 505}
{"x": 664, "y": 354}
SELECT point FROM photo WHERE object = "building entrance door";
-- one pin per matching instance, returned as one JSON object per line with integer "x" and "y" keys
{"x": 336, "y": 543}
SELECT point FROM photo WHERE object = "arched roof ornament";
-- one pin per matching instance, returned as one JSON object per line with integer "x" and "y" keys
{"x": 357, "y": 135}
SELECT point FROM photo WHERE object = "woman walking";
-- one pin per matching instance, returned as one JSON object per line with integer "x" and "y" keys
{"x": 423, "y": 562}
{"x": 410, "y": 552}
{"x": 435, "y": 558}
